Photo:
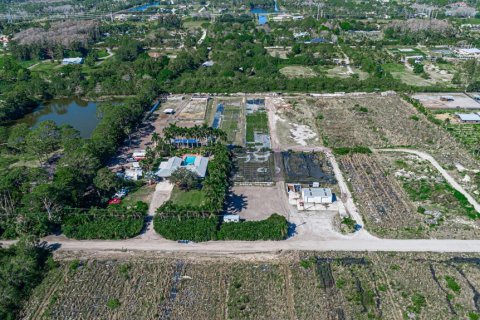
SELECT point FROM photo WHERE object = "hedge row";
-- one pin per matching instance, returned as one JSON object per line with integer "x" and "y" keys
{"x": 204, "y": 229}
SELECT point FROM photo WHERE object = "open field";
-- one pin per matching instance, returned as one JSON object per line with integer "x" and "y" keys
{"x": 292, "y": 121}
{"x": 298, "y": 72}
{"x": 401, "y": 196}
{"x": 387, "y": 121}
{"x": 281, "y": 286}
{"x": 194, "y": 110}
{"x": 250, "y": 202}
{"x": 432, "y": 101}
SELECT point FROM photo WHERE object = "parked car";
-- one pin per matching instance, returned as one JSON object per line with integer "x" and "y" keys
{"x": 357, "y": 227}
{"x": 184, "y": 241}
{"x": 115, "y": 201}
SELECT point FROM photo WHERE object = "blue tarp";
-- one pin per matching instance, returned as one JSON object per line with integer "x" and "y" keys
{"x": 218, "y": 116}
{"x": 185, "y": 141}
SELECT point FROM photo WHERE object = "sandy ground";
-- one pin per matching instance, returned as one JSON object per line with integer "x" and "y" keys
{"x": 257, "y": 203}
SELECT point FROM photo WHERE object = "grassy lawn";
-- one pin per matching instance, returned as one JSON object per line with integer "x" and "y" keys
{"x": 393, "y": 67}
{"x": 231, "y": 118}
{"x": 256, "y": 122}
{"x": 144, "y": 193}
{"x": 192, "y": 197}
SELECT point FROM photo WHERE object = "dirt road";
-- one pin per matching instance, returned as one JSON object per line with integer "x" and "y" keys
{"x": 162, "y": 193}
{"x": 222, "y": 247}
{"x": 445, "y": 174}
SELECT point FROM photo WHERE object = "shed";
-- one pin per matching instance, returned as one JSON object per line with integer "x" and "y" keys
{"x": 317, "y": 195}
{"x": 231, "y": 218}
{"x": 469, "y": 117}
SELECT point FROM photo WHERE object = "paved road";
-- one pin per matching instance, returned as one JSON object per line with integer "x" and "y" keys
{"x": 444, "y": 173}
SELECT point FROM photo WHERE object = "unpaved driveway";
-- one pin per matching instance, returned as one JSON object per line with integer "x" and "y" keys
{"x": 162, "y": 193}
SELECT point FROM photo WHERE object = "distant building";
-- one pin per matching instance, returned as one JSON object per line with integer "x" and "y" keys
{"x": 317, "y": 195}
{"x": 194, "y": 163}
{"x": 468, "y": 53}
{"x": 78, "y": 60}
{"x": 468, "y": 117}
{"x": 139, "y": 155}
{"x": 208, "y": 64}
{"x": 231, "y": 218}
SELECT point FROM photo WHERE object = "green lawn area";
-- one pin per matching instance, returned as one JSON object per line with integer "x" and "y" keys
{"x": 231, "y": 119}
{"x": 256, "y": 122}
{"x": 183, "y": 198}
{"x": 393, "y": 67}
{"x": 144, "y": 193}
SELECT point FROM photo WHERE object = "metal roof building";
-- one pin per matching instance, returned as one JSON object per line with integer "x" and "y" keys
{"x": 469, "y": 117}
{"x": 199, "y": 166}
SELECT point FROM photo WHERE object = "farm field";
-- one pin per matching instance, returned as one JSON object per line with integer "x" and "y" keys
{"x": 194, "y": 110}
{"x": 467, "y": 134}
{"x": 379, "y": 121}
{"x": 257, "y": 122}
{"x": 252, "y": 166}
{"x": 233, "y": 124}
{"x": 282, "y": 286}
{"x": 401, "y": 196}
{"x": 307, "y": 167}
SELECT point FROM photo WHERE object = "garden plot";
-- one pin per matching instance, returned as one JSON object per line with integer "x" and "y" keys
{"x": 468, "y": 135}
{"x": 307, "y": 168}
{"x": 233, "y": 123}
{"x": 384, "y": 205}
{"x": 327, "y": 285}
{"x": 194, "y": 110}
{"x": 443, "y": 211}
{"x": 252, "y": 166}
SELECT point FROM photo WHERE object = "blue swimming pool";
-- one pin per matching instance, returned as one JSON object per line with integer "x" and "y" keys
{"x": 189, "y": 160}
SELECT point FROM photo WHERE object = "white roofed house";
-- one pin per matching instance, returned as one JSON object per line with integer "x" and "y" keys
{"x": 317, "y": 195}
{"x": 194, "y": 163}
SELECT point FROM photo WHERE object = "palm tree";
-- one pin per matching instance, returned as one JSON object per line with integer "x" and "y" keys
{"x": 155, "y": 139}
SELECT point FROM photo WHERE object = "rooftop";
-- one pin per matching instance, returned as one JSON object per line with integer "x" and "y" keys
{"x": 468, "y": 116}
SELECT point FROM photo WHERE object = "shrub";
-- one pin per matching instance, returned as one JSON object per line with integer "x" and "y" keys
{"x": 115, "y": 222}
{"x": 193, "y": 229}
{"x": 274, "y": 227}
{"x": 113, "y": 303}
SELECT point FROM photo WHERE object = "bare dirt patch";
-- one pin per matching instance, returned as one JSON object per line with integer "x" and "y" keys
{"x": 256, "y": 203}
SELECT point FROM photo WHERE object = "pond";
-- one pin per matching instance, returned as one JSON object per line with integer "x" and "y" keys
{"x": 263, "y": 13}
{"x": 80, "y": 114}
{"x": 143, "y": 7}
